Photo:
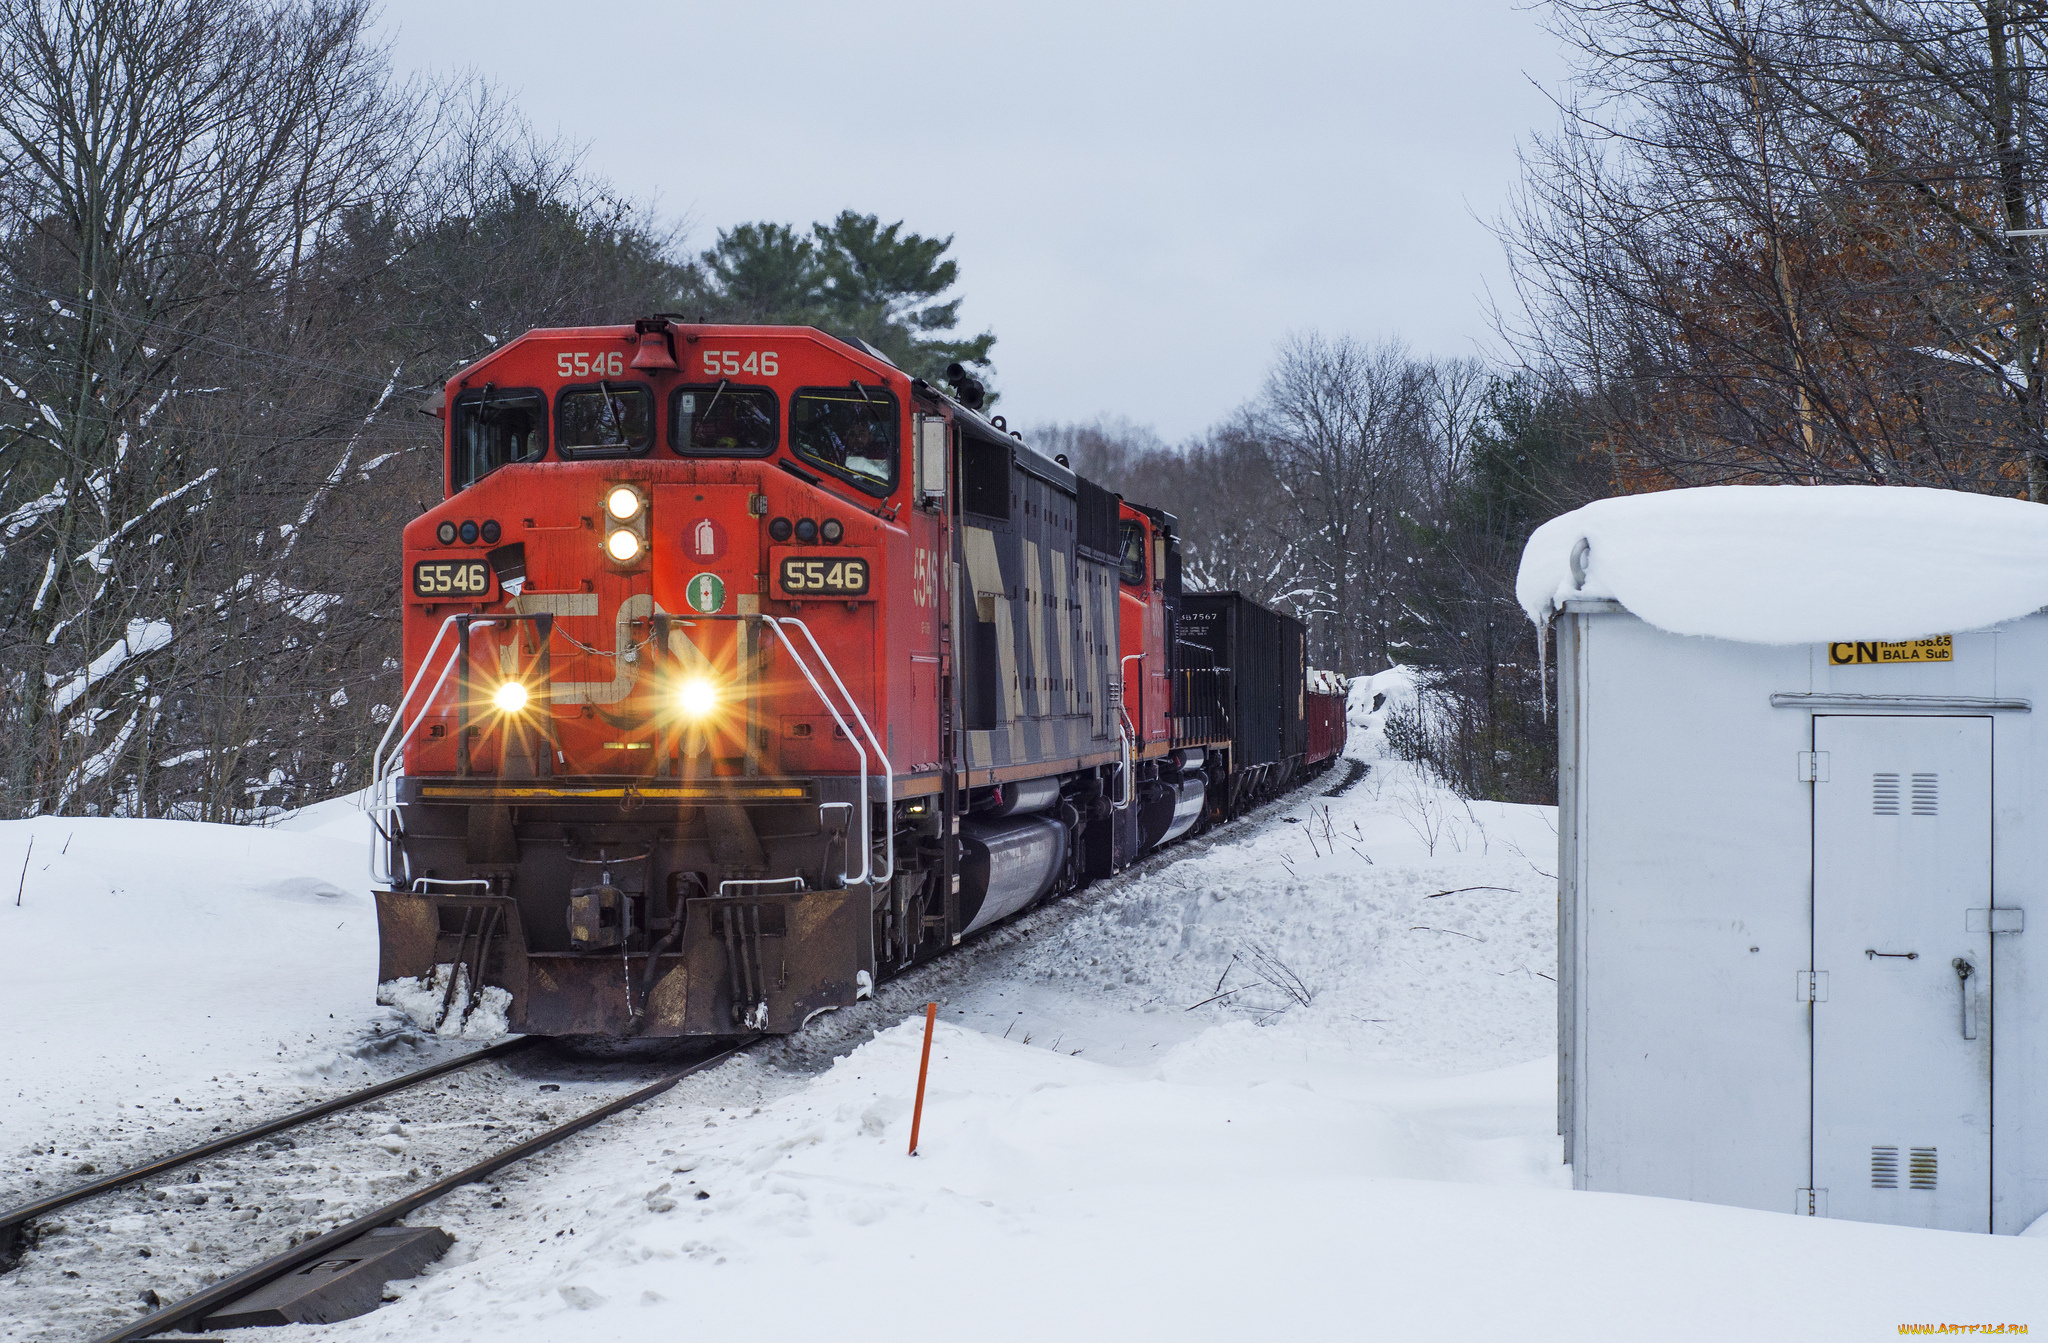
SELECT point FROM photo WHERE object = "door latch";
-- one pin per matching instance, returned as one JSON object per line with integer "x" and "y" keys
{"x": 1963, "y": 972}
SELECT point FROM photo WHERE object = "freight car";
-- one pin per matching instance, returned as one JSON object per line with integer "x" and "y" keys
{"x": 743, "y": 670}
{"x": 1328, "y": 696}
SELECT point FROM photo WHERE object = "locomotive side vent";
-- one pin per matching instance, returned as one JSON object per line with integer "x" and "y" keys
{"x": 1884, "y": 794}
{"x": 1920, "y": 1168}
{"x": 1884, "y": 1168}
{"x": 1926, "y": 794}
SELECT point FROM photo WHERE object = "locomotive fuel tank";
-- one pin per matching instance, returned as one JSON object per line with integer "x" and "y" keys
{"x": 1006, "y": 864}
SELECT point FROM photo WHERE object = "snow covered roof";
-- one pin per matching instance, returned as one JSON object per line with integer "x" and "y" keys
{"x": 1788, "y": 564}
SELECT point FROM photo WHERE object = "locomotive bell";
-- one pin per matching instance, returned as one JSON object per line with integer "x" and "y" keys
{"x": 653, "y": 352}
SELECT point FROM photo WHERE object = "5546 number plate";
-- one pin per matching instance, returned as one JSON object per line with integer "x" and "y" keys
{"x": 451, "y": 580}
{"x": 823, "y": 575}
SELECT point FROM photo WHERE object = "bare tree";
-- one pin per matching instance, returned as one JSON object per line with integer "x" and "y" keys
{"x": 161, "y": 166}
{"x": 1772, "y": 240}
{"x": 234, "y": 253}
{"x": 1349, "y": 424}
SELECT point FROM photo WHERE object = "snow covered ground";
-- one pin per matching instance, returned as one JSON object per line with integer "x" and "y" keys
{"x": 146, "y": 960}
{"x": 1299, "y": 1081}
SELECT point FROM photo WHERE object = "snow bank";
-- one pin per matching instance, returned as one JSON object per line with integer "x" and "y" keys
{"x": 1054, "y": 1198}
{"x": 1788, "y": 564}
{"x": 149, "y": 958}
{"x": 1373, "y": 699}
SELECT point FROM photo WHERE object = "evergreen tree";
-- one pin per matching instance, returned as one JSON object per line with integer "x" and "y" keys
{"x": 852, "y": 277}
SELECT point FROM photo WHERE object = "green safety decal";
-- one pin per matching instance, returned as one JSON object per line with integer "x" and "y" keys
{"x": 706, "y": 593}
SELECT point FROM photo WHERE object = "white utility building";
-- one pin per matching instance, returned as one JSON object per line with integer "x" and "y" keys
{"x": 1803, "y": 815}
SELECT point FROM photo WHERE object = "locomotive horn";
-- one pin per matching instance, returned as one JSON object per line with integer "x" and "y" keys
{"x": 966, "y": 387}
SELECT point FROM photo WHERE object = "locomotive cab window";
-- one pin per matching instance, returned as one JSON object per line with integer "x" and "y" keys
{"x": 611, "y": 419}
{"x": 850, "y": 431}
{"x": 495, "y": 427}
{"x": 1133, "y": 567}
{"x": 718, "y": 419}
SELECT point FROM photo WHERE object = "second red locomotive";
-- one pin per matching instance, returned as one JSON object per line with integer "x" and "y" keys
{"x": 744, "y": 670}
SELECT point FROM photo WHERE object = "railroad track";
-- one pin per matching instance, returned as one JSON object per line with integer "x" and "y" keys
{"x": 188, "y": 1312}
{"x": 1354, "y": 770}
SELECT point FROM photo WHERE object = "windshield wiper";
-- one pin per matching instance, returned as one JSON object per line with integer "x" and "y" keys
{"x": 714, "y": 397}
{"x": 855, "y": 384}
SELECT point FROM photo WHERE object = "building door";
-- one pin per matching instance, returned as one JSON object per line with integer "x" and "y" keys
{"x": 1902, "y": 1022}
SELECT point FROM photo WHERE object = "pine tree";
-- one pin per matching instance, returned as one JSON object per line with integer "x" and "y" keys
{"x": 852, "y": 277}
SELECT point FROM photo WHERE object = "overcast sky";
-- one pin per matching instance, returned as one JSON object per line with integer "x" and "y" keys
{"x": 1144, "y": 198}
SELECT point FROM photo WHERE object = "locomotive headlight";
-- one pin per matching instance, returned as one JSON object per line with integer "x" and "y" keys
{"x": 696, "y": 697}
{"x": 623, "y": 503}
{"x": 625, "y": 519}
{"x": 510, "y": 697}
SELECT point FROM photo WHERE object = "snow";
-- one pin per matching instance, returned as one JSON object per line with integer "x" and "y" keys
{"x": 1789, "y": 564}
{"x": 146, "y": 957}
{"x": 1298, "y": 1081}
{"x": 143, "y": 637}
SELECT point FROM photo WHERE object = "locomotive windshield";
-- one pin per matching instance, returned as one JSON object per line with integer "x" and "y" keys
{"x": 495, "y": 427}
{"x": 721, "y": 420}
{"x": 608, "y": 420}
{"x": 850, "y": 431}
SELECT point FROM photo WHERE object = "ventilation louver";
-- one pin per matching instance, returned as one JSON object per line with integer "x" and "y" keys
{"x": 1926, "y": 794}
{"x": 1884, "y": 1168}
{"x": 1884, "y": 794}
{"x": 1920, "y": 1168}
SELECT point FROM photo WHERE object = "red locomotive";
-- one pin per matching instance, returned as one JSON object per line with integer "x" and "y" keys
{"x": 743, "y": 670}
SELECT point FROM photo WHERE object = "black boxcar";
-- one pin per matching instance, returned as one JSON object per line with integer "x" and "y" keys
{"x": 1262, "y": 658}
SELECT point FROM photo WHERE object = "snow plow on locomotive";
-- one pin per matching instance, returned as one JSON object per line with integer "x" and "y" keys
{"x": 744, "y": 670}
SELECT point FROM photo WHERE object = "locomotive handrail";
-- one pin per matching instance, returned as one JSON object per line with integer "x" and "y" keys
{"x": 1123, "y": 662}
{"x": 1126, "y": 737}
{"x": 378, "y": 762}
{"x": 867, "y": 846}
{"x": 888, "y": 767}
{"x": 380, "y": 801}
{"x": 798, "y": 882}
{"x": 1127, "y": 731}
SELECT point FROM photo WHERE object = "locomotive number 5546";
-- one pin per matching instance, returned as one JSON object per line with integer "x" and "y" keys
{"x": 451, "y": 578}
{"x": 814, "y": 575}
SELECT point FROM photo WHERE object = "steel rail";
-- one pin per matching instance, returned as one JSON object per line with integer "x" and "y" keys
{"x": 190, "y": 1311}
{"x": 12, "y": 1219}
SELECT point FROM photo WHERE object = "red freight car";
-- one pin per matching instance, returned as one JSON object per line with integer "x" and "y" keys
{"x": 1325, "y": 697}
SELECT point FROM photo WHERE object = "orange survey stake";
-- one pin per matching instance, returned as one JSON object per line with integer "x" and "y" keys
{"x": 931, "y": 1014}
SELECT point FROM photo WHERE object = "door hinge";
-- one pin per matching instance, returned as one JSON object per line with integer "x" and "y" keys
{"x": 1994, "y": 920}
{"x": 1813, "y": 767}
{"x": 1812, "y": 986}
{"x": 1809, "y": 1202}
